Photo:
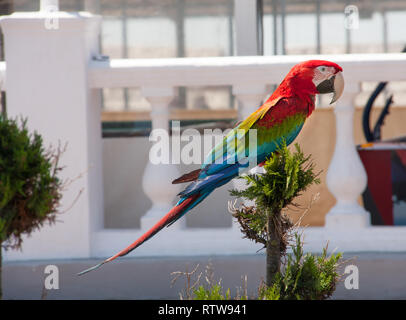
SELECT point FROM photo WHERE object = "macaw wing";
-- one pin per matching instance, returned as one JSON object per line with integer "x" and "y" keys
{"x": 235, "y": 145}
{"x": 273, "y": 124}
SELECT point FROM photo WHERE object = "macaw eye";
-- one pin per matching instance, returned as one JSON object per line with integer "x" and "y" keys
{"x": 322, "y": 68}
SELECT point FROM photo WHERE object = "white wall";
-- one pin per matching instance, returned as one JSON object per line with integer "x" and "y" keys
{"x": 124, "y": 161}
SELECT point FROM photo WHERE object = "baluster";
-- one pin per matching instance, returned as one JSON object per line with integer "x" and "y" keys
{"x": 157, "y": 178}
{"x": 249, "y": 97}
{"x": 346, "y": 177}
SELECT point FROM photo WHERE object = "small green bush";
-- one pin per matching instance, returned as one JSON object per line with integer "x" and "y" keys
{"x": 305, "y": 277}
{"x": 212, "y": 293}
{"x": 288, "y": 276}
{"x": 286, "y": 175}
{"x": 30, "y": 190}
{"x": 29, "y": 187}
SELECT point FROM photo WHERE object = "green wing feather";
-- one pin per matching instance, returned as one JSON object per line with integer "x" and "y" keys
{"x": 240, "y": 136}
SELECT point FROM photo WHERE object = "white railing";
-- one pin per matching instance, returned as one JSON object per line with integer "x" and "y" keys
{"x": 52, "y": 79}
{"x": 173, "y": 72}
{"x": 248, "y": 77}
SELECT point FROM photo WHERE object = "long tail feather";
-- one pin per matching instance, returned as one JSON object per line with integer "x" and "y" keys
{"x": 170, "y": 217}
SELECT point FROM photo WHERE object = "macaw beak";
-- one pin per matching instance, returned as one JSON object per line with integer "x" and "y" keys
{"x": 338, "y": 87}
{"x": 333, "y": 85}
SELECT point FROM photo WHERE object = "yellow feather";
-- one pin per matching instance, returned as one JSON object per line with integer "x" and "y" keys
{"x": 258, "y": 114}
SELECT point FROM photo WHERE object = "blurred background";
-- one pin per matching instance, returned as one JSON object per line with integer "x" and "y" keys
{"x": 205, "y": 28}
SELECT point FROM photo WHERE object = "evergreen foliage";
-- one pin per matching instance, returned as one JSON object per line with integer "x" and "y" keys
{"x": 286, "y": 175}
{"x": 29, "y": 186}
{"x": 294, "y": 276}
{"x": 305, "y": 276}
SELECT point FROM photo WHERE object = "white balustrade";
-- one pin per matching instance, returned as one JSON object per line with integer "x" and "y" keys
{"x": 157, "y": 178}
{"x": 57, "y": 84}
{"x": 346, "y": 177}
{"x": 46, "y": 82}
{"x": 249, "y": 97}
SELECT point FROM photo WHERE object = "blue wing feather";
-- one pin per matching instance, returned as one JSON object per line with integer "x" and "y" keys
{"x": 217, "y": 174}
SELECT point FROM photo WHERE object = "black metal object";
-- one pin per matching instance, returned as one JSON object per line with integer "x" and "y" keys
{"x": 385, "y": 196}
{"x": 375, "y": 135}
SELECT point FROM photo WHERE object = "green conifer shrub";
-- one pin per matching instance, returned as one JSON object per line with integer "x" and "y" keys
{"x": 294, "y": 276}
{"x": 30, "y": 189}
{"x": 286, "y": 175}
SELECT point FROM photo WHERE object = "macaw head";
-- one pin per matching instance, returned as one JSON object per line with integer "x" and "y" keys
{"x": 317, "y": 77}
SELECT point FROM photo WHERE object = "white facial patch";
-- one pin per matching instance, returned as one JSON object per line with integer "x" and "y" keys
{"x": 322, "y": 73}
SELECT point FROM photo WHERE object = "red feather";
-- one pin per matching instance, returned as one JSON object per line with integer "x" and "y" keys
{"x": 285, "y": 107}
{"x": 296, "y": 93}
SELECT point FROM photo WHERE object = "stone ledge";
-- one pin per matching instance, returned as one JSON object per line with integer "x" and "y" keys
{"x": 380, "y": 277}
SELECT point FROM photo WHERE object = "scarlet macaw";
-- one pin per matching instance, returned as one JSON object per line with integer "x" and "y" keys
{"x": 279, "y": 119}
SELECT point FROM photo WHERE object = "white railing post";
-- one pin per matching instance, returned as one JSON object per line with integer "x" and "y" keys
{"x": 157, "y": 178}
{"x": 246, "y": 22}
{"x": 249, "y": 98}
{"x": 346, "y": 176}
{"x": 47, "y": 83}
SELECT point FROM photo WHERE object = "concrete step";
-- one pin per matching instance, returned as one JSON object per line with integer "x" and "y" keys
{"x": 381, "y": 276}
